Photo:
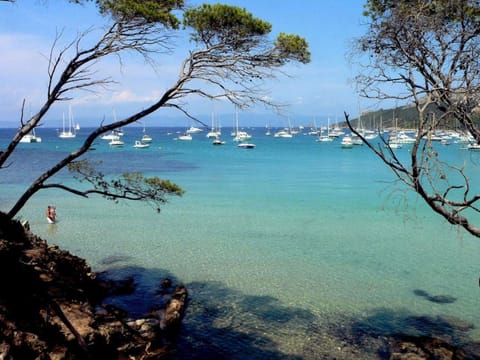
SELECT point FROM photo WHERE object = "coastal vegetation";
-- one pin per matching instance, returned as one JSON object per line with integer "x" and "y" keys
{"x": 425, "y": 54}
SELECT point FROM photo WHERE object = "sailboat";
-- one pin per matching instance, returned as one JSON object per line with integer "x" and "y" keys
{"x": 285, "y": 132}
{"x": 325, "y": 138}
{"x": 238, "y": 135}
{"x": 68, "y": 134}
{"x": 145, "y": 137}
{"x": 214, "y": 131}
{"x": 31, "y": 138}
{"x": 267, "y": 130}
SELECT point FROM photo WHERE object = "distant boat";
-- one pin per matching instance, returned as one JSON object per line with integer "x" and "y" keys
{"x": 267, "y": 131}
{"x": 185, "y": 137}
{"x": 146, "y": 138}
{"x": 70, "y": 133}
{"x": 116, "y": 142}
{"x": 193, "y": 130}
{"x": 31, "y": 138}
{"x": 218, "y": 142}
{"x": 215, "y": 131}
{"x": 140, "y": 144}
{"x": 336, "y": 131}
{"x": 237, "y": 134}
{"x": 113, "y": 135}
{"x": 325, "y": 138}
{"x": 246, "y": 146}
{"x": 285, "y": 133}
{"x": 77, "y": 126}
{"x": 473, "y": 147}
{"x": 357, "y": 140}
{"x": 347, "y": 142}
{"x": 394, "y": 145}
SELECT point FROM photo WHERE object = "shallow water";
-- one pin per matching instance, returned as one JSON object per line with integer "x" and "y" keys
{"x": 292, "y": 250}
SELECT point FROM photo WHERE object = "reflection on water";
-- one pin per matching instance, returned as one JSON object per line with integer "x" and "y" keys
{"x": 51, "y": 229}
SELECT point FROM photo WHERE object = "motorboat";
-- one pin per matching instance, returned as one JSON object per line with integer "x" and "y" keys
{"x": 347, "y": 142}
{"x": 185, "y": 137}
{"x": 218, "y": 142}
{"x": 116, "y": 142}
{"x": 473, "y": 147}
{"x": 357, "y": 140}
{"x": 193, "y": 130}
{"x": 246, "y": 146}
{"x": 285, "y": 133}
{"x": 112, "y": 136}
{"x": 139, "y": 144}
{"x": 146, "y": 138}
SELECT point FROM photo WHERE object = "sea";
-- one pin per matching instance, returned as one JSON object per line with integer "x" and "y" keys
{"x": 295, "y": 249}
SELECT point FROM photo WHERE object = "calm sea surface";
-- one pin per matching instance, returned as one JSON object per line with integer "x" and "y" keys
{"x": 293, "y": 250}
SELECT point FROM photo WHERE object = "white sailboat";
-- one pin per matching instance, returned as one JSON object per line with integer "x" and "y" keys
{"x": 267, "y": 130}
{"x": 285, "y": 132}
{"x": 145, "y": 137}
{"x": 325, "y": 138}
{"x": 31, "y": 138}
{"x": 214, "y": 131}
{"x": 336, "y": 131}
{"x": 238, "y": 135}
{"x": 70, "y": 133}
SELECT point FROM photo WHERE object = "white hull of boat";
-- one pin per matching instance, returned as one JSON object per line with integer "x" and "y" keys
{"x": 246, "y": 146}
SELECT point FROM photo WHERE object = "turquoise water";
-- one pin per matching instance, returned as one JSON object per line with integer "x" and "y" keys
{"x": 290, "y": 250}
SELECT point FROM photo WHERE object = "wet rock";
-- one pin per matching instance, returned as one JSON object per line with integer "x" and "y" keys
{"x": 413, "y": 348}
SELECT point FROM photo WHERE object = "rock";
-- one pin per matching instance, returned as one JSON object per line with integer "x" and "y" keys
{"x": 420, "y": 348}
{"x": 57, "y": 312}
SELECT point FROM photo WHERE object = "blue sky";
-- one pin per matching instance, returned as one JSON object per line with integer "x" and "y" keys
{"x": 318, "y": 90}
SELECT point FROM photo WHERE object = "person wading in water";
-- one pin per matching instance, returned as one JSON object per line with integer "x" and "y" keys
{"x": 50, "y": 213}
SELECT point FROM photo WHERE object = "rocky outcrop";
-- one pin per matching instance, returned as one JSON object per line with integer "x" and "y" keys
{"x": 51, "y": 306}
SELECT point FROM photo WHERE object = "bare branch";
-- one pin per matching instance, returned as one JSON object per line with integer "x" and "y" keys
{"x": 231, "y": 64}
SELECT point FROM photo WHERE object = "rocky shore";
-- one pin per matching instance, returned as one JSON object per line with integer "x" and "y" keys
{"x": 51, "y": 306}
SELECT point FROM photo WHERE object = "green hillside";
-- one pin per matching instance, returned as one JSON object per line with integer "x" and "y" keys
{"x": 406, "y": 118}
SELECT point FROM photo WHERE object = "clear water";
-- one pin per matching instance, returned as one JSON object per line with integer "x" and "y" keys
{"x": 291, "y": 250}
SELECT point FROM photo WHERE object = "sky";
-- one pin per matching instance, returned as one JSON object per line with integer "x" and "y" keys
{"x": 320, "y": 90}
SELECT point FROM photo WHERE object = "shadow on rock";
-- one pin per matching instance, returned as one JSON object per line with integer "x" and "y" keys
{"x": 406, "y": 335}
